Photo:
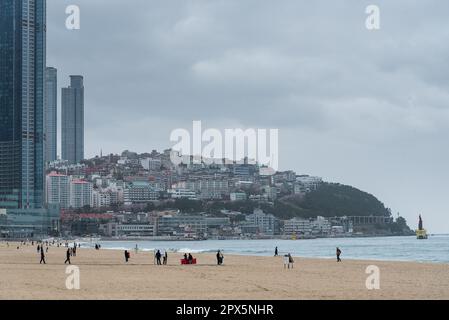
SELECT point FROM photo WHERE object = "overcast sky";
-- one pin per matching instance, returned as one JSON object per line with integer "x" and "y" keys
{"x": 365, "y": 108}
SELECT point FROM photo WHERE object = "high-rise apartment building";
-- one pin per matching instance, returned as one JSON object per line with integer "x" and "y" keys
{"x": 22, "y": 77}
{"x": 72, "y": 122}
{"x": 51, "y": 114}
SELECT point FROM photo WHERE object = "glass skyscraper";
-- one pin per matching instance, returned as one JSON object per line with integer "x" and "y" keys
{"x": 51, "y": 114}
{"x": 22, "y": 77}
{"x": 72, "y": 121}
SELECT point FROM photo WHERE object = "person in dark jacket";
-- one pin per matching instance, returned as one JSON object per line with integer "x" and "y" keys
{"x": 42, "y": 255}
{"x": 158, "y": 258}
{"x": 338, "y": 255}
{"x": 219, "y": 258}
{"x": 67, "y": 257}
{"x": 126, "y": 255}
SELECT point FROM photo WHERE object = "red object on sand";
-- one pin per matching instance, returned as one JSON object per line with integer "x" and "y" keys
{"x": 184, "y": 261}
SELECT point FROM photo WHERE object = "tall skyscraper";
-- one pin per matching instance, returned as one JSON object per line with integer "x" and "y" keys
{"x": 51, "y": 114}
{"x": 22, "y": 76}
{"x": 72, "y": 144}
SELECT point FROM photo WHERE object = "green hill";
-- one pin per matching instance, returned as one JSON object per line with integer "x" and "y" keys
{"x": 330, "y": 200}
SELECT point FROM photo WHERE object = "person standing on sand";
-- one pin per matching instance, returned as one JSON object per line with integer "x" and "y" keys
{"x": 165, "y": 258}
{"x": 286, "y": 261}
{"x": 38, "y": 248}
{"x": 67, "y": 259}
{"x": 219, "y": 258}
{"x": 338, "y": 254}
{"x": 42, "y": 256}
{"x": 290, "y": 261}
{"x": 276, "y": 253}
{"x": 126, "y": 256}
{"x": 158, "y": 258}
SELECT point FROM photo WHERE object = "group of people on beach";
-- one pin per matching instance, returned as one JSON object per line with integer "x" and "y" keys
{"x": 157, "y": 256}
{"x": 164, "y": 257}
{"x": 188, "y": 258}
{"x": 288, "y": 259}
{"x": 160, "y": 258}
{"x": 71, "y": 252}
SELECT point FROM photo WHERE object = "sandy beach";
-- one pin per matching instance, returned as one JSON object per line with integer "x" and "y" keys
{"x": 104, "y": 275}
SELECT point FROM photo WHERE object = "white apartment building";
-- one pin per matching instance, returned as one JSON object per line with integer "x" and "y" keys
{"x": 106, "y": 197}
{"x": 80, "y": 194}
{"x": 58, "y": 189}
{"x": 306, "y": 184}
{"x": 209, "y": 188}
{"x": 297, "y": 226}
{"x": 265, "y": 223}
{"x": 321, "y": 225}
{"x": 140, "y": 192}
{"x": 238, "y": 196}
{"x": 151, "y": 164}
{"x": 137, "y": 230}
{"x": 182, "y": 193}
{"x": 101, "y": 199}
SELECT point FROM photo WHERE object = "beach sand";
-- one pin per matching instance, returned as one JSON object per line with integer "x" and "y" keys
{"x": 104, "y": 275}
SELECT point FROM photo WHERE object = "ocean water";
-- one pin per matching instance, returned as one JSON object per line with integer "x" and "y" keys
{"x": 435, "y": 249}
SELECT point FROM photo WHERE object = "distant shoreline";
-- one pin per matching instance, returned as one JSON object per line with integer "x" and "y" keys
{"x": 157, "y": 238}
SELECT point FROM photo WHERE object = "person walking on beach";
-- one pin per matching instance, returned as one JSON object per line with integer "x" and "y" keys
{"x": 219, "y": 258}
{"x": 158, "y": 258}
{"x": 136, "y": 249}
{"x": 38, "y": 248}
{"x": 42, "y": 256}
{"x": 165, "y": 258}
{"x": 338, "y": 254}
{"x": 290, "y": 261}
{"x": 126, "y": 256}
{"x": 276, "y": 253}
{"x": 67, "y": 255}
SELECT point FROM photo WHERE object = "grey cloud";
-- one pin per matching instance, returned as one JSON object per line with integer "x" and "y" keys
{"x": 345, "y": 99}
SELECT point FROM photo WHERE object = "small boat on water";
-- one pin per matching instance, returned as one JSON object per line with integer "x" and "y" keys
{"x": 421, "y": 233}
